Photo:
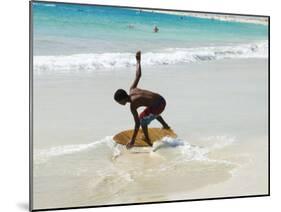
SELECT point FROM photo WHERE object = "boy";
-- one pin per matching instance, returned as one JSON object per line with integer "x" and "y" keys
{"x": 155, "y": 105}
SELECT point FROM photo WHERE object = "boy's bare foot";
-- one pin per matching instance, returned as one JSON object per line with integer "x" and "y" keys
{"x": 148, "y": 141}
{"x": 166, "y": 127}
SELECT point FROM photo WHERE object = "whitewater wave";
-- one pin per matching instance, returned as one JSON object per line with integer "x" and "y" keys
{"x": 44, "y": 155}
{"x": 111, "y": 61}
{"x": 184, "y": 150}
{"x": 44, "y": 4}
{"x": 221, "y": 17}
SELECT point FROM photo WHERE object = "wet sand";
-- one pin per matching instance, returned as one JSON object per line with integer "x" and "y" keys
{"x": 218, "y": 109}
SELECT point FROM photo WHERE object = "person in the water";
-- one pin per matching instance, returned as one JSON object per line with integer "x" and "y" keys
{"x": 155, "y": 29}
{"x": 154, "y": 103}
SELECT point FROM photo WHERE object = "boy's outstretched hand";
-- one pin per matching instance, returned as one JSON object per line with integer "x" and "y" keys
{"x": 129, "y": 145}
{"x": 138, "y": 56}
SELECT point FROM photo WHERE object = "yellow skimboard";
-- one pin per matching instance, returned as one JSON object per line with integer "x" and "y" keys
{"x": 155, "y": 134}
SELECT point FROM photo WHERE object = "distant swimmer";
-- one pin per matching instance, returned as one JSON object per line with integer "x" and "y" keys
{"x": 155, "y": 29}
{"x": 131, "y": 26}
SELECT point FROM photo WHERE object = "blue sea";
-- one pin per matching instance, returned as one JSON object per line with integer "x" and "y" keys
{"x": 70, "y": 37}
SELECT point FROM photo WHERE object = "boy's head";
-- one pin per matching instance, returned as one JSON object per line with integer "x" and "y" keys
{"x": 121, "y": 96}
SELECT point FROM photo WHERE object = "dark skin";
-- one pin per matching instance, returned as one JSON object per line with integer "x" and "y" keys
{"x": 139, "y": 98}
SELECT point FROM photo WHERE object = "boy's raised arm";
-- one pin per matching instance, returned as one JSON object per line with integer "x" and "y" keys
{"x": 138, "y": 71}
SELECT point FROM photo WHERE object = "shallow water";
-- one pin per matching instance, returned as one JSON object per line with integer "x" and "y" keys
{"x": 109, "y": 173}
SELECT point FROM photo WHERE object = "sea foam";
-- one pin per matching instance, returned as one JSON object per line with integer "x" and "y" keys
{"x": 185, "y": 150}
{"x": 112, "y": 61}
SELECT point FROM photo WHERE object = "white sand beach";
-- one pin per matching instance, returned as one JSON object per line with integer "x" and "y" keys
{"x": 218, "y": 109}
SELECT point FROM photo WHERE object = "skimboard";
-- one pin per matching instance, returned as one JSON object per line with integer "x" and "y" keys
{"x": 155, "y": 134}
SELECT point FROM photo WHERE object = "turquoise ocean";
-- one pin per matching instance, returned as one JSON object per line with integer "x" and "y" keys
{"x": 70, "y": 37}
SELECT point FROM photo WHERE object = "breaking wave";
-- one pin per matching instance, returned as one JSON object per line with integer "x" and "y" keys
{"x": 111, "y": 61}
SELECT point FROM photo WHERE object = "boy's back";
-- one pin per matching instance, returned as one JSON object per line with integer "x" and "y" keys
{"x": 140, "y": 97}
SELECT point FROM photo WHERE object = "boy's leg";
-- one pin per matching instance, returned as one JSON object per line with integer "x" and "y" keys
{"x": 145, "y": 132}
{"x": 164, "y": 124}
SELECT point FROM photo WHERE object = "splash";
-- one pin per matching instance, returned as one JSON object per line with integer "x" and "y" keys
{"x": 181, "y": 149}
